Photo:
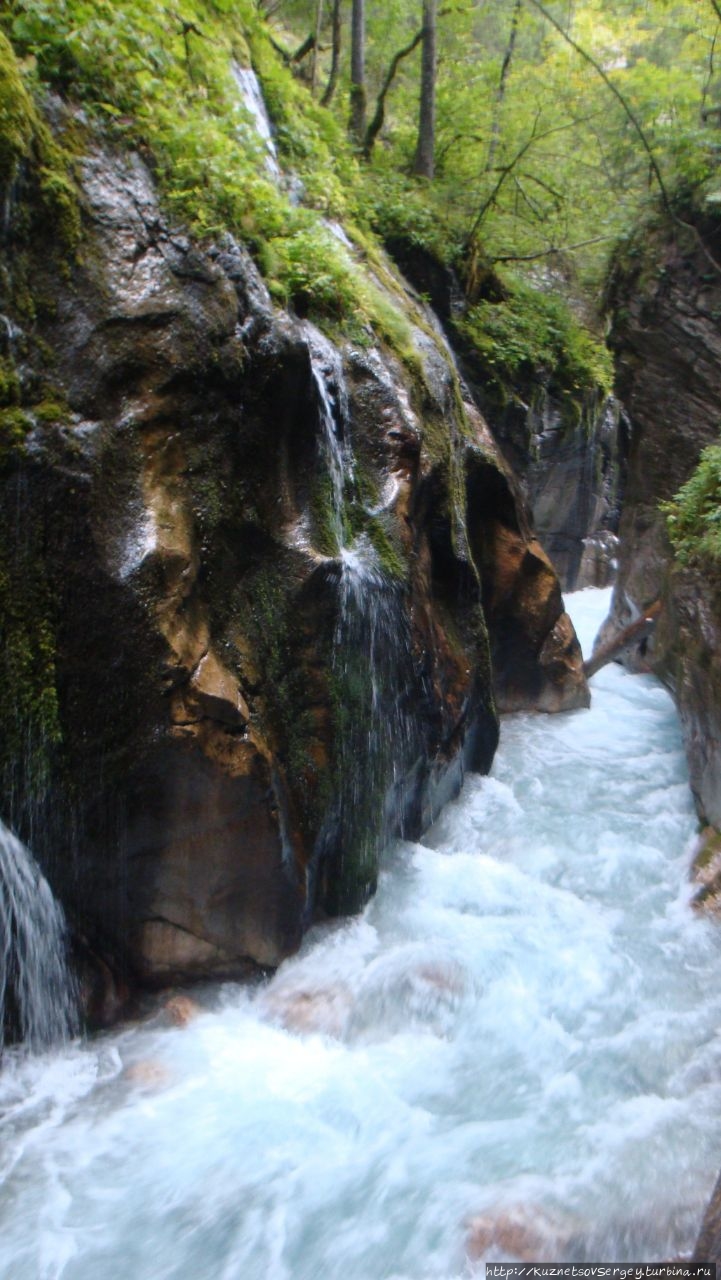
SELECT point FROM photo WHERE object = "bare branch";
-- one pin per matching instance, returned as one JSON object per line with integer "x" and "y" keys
{"x": 548, "y": 253}
{"x": 501, "y": 90}
{"x": 507, "y": 170}
{"x": 376, "y": 123}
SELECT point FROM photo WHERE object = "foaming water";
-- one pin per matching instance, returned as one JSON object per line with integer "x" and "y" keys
{"x": 514, "y": 1051}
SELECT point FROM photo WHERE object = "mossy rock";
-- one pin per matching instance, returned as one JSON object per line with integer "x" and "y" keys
{"x": 26, "y": 138}
{"x": 18, "y": 118}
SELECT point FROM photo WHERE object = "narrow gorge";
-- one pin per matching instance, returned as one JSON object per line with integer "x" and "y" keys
{"x": 352, "y": 923}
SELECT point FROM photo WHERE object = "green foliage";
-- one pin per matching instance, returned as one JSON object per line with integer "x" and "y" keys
{"x": 9, "y": 384}
{"x": 546, "y": 174}
{"x": 552, "y": 168}
{"x": 531, "y": 335}
{"x": 14, "y": 426}
{"x": 160, "y": 76}
{"x": 21, "y": 409}
{"x": 398, "y": 206}
{"x": 17, "y": 115}
{"x": 25, "y": 137}
{"x": 693, "y": 518}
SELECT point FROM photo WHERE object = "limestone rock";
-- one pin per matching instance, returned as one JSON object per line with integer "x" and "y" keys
{"x": 665, "y": 304}
{"x": 195, "y": 812}
{"x": 571, "y": 473}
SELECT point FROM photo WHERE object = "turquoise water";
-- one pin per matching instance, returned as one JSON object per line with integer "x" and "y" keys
{"x": 515, "y": 1047}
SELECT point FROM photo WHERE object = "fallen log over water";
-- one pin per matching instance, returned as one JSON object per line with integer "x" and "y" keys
{"x": 633, "y": 634}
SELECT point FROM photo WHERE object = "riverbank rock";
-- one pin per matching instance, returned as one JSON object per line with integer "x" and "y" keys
{"x": 664, "y": 297}
{"x": 708, "y": 1245}
{"x": 706, "y": 872}
{"x": 253, "y": 582}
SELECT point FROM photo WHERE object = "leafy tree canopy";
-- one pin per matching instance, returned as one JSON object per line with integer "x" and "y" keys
{"x": 536, "y": 156}
{"x": 556, "y": 125}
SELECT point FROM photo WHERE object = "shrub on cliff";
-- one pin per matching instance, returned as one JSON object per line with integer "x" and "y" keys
{"x": 694, "y": 516}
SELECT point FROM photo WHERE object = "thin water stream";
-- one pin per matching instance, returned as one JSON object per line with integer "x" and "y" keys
{"x": 516, "y": 1048}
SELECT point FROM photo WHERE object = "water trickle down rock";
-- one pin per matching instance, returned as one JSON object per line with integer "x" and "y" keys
{"x": 377, "y": 737}
{"x": 254, "y": 103}
{"x": 372, "y": 667}
{"x": 38, "y": 1000}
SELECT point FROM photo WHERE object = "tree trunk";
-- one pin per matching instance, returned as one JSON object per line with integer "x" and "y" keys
{"x": 501, "y": 90}
{"x": 316, "y": 46}
{"x": 358, "y": 73}
{"x": 335, "y": 57}
{"x": 424, "y": 158}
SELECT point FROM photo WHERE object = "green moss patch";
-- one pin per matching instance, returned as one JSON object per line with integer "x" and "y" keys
{"x": 25, "y": 138}
{"x": 529, "y": 336}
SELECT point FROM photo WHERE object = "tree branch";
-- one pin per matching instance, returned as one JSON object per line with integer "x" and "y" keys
{"x": 508, "y": 169}
{"x": 549, "y": 253}
{"x": 709, "y": 77}
{"x": 376, "y": 123}
{"x": 501, "y": 90}
{"x": 631, "y": 115}
{"x": 335, "y": 58}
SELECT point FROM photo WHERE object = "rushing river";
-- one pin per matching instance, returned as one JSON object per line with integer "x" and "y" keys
{"x": 517, "y": 1047}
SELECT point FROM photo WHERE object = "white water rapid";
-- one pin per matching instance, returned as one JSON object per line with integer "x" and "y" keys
{"x": 517, "y": 1047}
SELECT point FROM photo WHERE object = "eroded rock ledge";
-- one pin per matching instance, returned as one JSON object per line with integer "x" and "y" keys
{"x": 200, "y": 590}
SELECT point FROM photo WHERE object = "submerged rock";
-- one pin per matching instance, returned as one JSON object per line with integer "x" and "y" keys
{"x": 181, "y": 1010}
{"x": 309, "y": 1009}
{"x": 523, "y": 1232}
{"x": 275, "y": 579}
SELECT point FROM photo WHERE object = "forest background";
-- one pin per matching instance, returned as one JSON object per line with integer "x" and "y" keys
{"x": 516, "y": 141}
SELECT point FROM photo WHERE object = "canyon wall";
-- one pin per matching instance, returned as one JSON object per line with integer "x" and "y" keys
{"x": 664, "y": 297}
{"x": 565, "y": 443}
{"x": 262, "y": 592}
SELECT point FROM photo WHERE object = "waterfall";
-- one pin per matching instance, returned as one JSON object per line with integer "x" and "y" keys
{"x": 36, "y": 990}
{"x": 333, "y": 420}
{"x": 371, "y": 660}
{"x": 254, "y": 103}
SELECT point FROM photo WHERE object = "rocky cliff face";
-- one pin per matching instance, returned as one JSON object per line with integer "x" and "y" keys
{"x": 665, "y": 298}
{"x": 573, "y": 480}
{"x": 570, "y": 466}
{"x": 259, "y": 590}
